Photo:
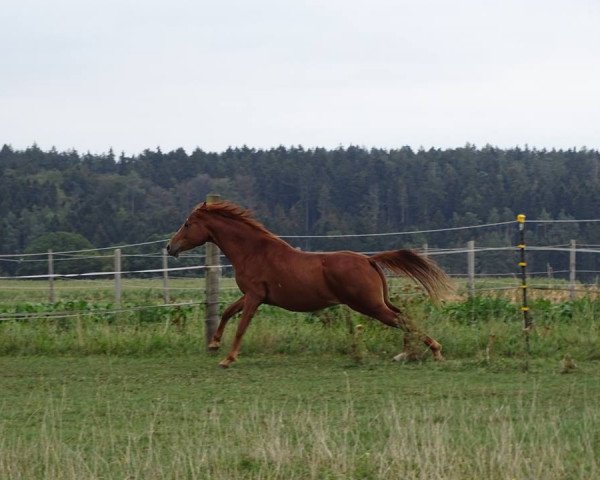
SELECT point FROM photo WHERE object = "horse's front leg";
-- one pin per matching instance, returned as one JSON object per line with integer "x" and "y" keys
{"x": 250, "y": 305}
{"x": 229, "y": 312}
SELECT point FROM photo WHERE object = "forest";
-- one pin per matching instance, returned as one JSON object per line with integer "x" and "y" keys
{"x": 105, "y": 199}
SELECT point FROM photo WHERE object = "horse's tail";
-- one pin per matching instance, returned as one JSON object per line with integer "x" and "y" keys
{"x": 416, "y": 267}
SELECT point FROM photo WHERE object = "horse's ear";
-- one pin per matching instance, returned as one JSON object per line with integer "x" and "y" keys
{"x": 203, "y": 206}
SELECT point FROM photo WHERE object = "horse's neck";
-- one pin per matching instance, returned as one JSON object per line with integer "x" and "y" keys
{"x": 238, "y": 240}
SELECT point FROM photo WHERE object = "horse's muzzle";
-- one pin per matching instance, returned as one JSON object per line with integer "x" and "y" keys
{"x": 174, "y": 252}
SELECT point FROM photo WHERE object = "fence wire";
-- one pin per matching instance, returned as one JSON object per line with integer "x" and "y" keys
{"x": 170, "y": 273}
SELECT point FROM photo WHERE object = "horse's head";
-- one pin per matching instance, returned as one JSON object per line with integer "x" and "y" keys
{"x": 192, "y": 233}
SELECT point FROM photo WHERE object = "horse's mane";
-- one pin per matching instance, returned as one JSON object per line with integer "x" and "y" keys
{"x": 230, "y": 210}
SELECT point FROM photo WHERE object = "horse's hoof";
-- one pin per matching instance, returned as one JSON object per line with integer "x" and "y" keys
{"x": 401, "y": 357}
{"x": 213, "y": 346}
{"x": 407, "y": 357}
{"x": 226, "y": 362}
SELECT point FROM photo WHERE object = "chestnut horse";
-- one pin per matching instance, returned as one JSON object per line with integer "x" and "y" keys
{"x": 269, "y": 270}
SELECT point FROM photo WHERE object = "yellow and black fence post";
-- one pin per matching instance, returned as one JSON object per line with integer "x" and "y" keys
{"x": 523, "y": 264}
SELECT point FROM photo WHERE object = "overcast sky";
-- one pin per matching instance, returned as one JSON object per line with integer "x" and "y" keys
{"x": 131, "y": 75}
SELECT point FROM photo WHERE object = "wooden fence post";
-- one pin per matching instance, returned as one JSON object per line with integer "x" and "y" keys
{"x": 51, "y": 293}
{"x": 471, "y": 268}
{"x": 118, "y": 287}
{"x": 212, "y": 276}
{"x": 425, "y": 249}
{"x": 165, "y": 279}
{"x": 572, "y": 269}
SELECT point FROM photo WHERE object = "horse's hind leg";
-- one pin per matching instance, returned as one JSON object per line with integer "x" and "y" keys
{"x": 364, "y": 289}
{"x": 411, "y": 331}
{"x": 392, "y": 316}
{"x": 229, "y": 312}
{"x": 409, "y": 327}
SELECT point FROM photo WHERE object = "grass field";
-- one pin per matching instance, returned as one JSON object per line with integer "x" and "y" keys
{"x": 94, "y": 393}
{"x": 297, "y": 416}
{"x": 85, "y": 321}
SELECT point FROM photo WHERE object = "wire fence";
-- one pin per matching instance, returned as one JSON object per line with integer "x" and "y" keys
{"x": 468, "y": 263}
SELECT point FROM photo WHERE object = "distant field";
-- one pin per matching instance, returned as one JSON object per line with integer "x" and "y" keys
{"x": 134, "y": 290}
{"x": 192, "y": 288}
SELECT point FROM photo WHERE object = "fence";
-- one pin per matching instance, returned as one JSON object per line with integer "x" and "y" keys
{"x": 213, "y": 264}
{"x": 470, "y": 252}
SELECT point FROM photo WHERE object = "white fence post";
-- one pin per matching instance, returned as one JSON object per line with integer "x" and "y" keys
{"x": 471, "y": 267}
{"x": 165, "y": 266}
{"x": 572, "y": 269}
{"x": 118, "y": 288}
{"x": 51, "y": 293}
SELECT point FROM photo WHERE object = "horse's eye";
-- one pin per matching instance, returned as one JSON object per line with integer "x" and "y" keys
{"x": 186, "y": 225}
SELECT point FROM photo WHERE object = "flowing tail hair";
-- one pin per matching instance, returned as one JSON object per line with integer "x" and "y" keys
{"x": 418, "y": 268}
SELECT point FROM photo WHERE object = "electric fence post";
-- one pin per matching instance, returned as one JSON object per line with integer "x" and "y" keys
{"x": 524, "y": 306}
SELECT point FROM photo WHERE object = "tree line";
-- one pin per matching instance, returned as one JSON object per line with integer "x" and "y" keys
{"x": 109, "y": 199}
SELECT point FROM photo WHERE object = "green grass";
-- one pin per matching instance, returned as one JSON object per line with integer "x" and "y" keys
{"x": 301, "y": 416}
{"x": 465, "y": 331}
{"x": 99, "y": 394}
{"x": 482, "y": 328}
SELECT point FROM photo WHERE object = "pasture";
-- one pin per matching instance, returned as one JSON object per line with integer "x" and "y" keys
{"x": 299, "y": 416}
{"x": 133, "y": 394}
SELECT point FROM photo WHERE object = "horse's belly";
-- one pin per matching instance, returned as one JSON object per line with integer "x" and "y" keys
{"x": 298, "y": 299}
{"x": 297, "y": 283}
{"x": 300, "y": 305}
